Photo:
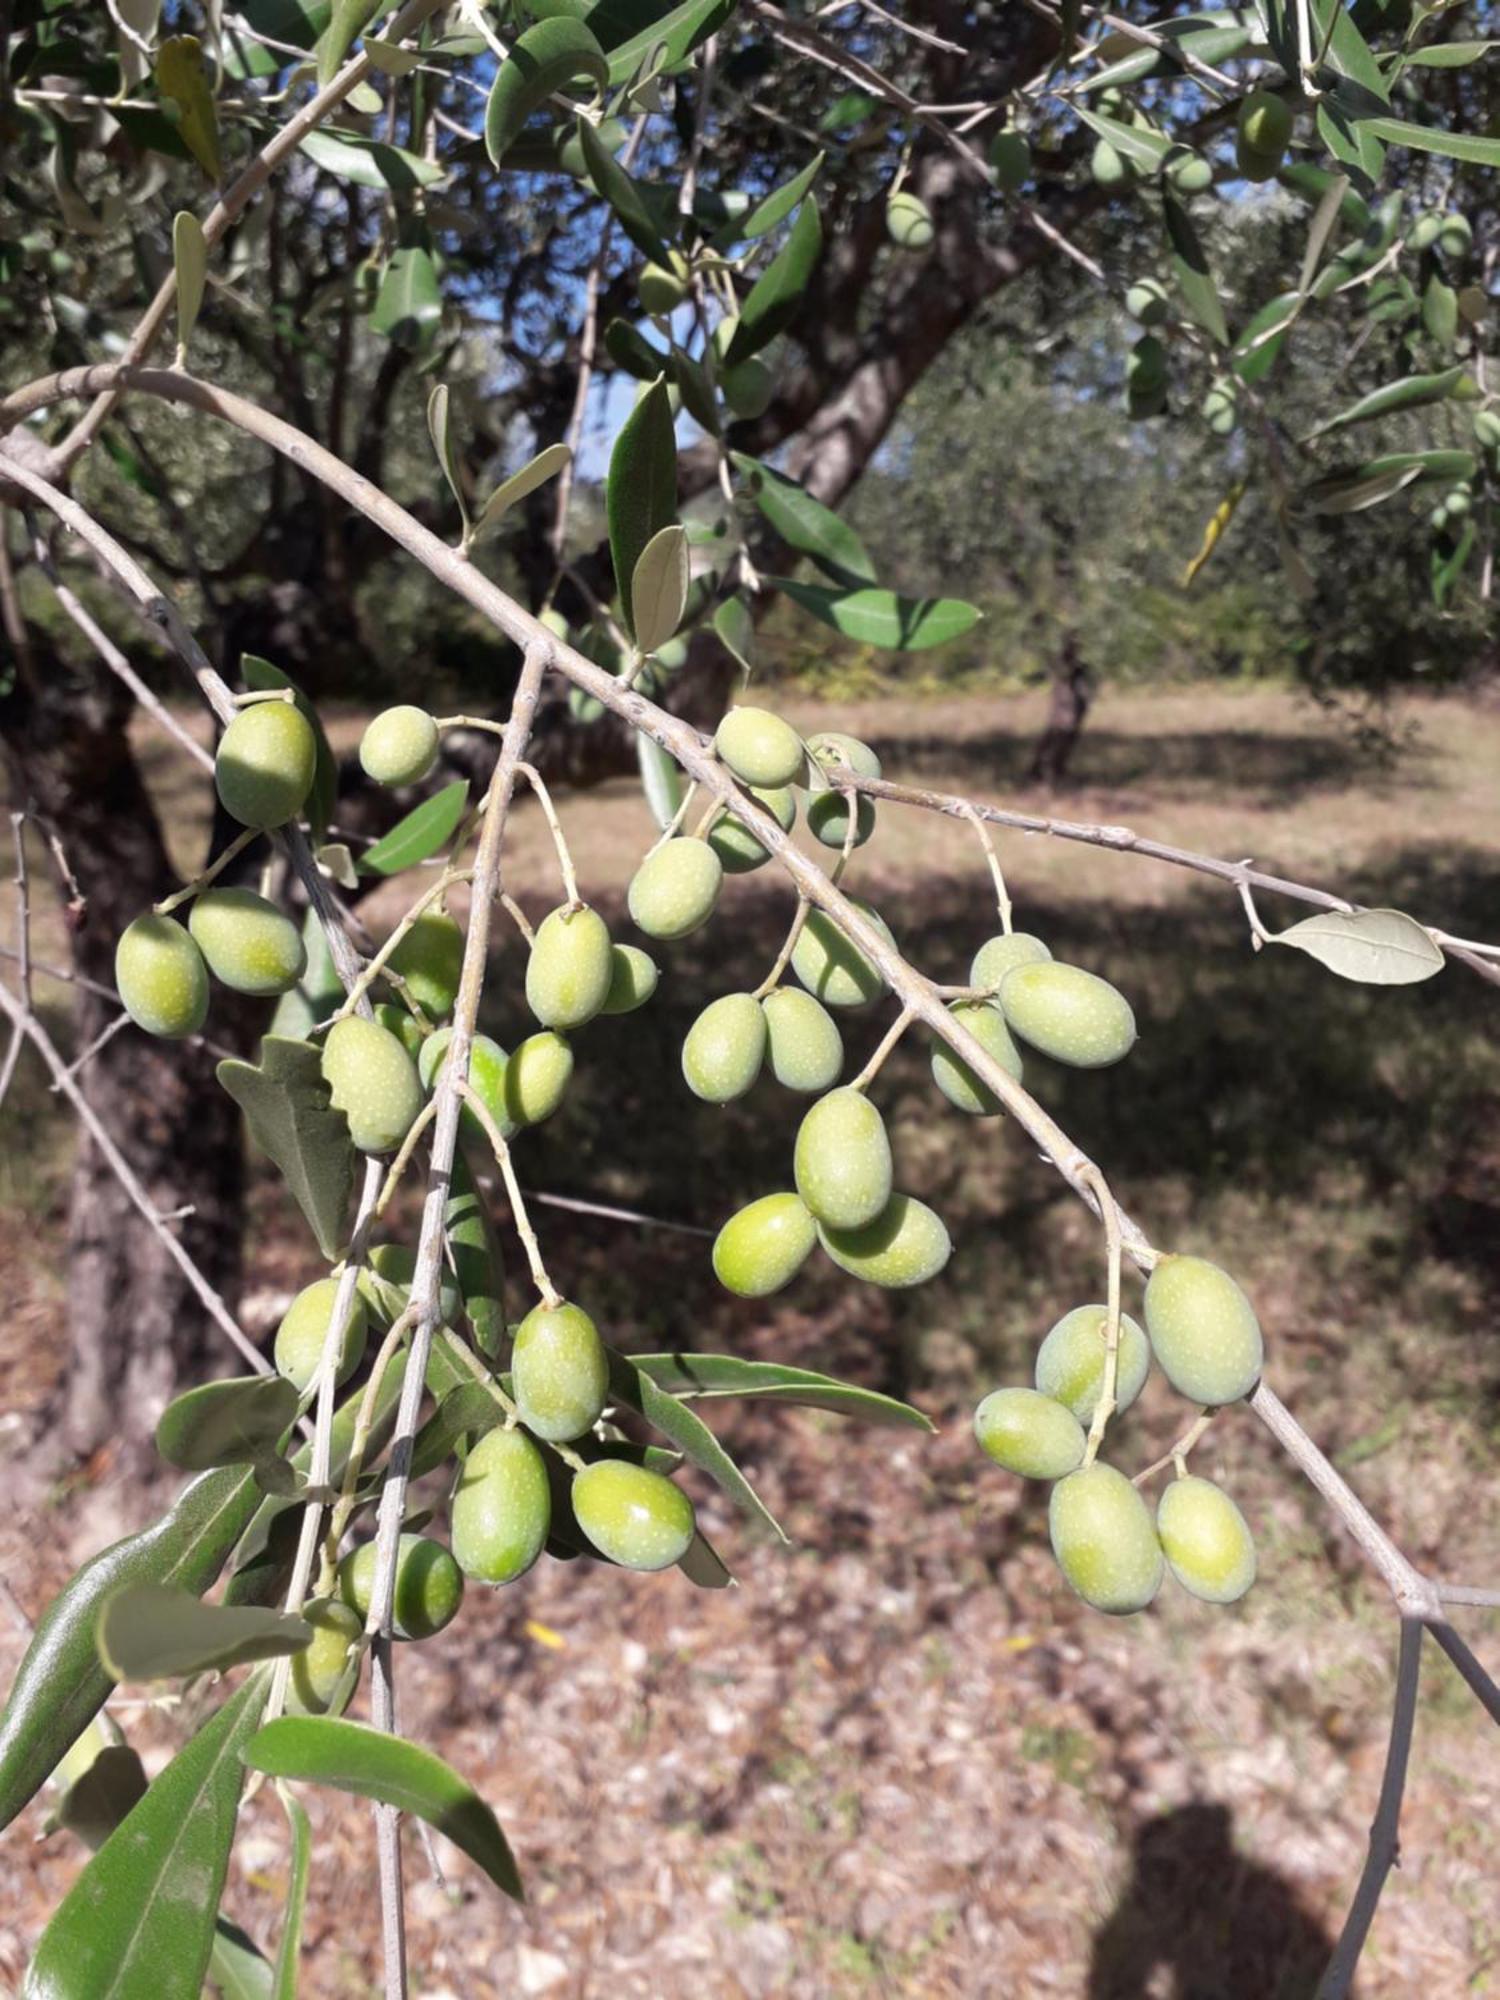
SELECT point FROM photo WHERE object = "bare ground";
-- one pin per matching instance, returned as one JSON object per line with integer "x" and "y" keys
{"x": 901, "y": 1759}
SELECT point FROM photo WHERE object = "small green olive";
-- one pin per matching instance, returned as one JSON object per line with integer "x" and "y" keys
{"x": 659, "y": 290}
{"x": 803, "y": 1043}
{"x": 953, "y": 1076}
{"x": 634, "y": 1516}
{"x": 999, "y": 955}
{"x": 249, "y": 944}
{"x": 162, "y": 979}
{"x": 1209, "y": 1548}
{"x": 560, "y": 1372}
{"x": 537, "y": 1077}
{"x": 1104, "y": 1540}
{"x": 1203, "y": 1331}
{"x": 1070, "y": 1361}
{"x": 1264, "y": 129}
{"x": 373, "y": 1081}
{"x": 429, "y": 1585}
{"x": 1029, "y": 1434}
{"x": 843, "y": 1160}
{"x": 430, "y": 959}
{"x": 386, "y": 1281}
{"x": 303, "y": 1331}
{"x": 675, "y": 888}
{"x": 908, "y": 222}
{"x": 400, "y": 746}
{"x": 764, "y": 1245}
{"x": 1067, "y": 1013}
{"x": 834, "y": 969}
{"x": 632, "y": 979}
{"x": 569, "y": 971}
{"x": 404, "y": 1026}
{"x": 760, "y": 748}
{"x": 905, "y": 1245}
{"x": 725, "y": 1048}
{"x": 319, "y": 1668}
{"x": 488, "y": 1066}
{"x": 501, "y": 1508}
{"x": 748, "y": 386}
{"x": 265, "y": 764}
{"x": 734, "y": 843}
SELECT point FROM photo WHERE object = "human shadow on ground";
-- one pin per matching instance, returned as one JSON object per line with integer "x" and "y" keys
{"x": 1217, "y": 1925}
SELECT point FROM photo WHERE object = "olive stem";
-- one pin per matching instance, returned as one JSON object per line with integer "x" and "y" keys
{"x": 519, "y": 917}
{"x": 1106, "y": 1406}
{"x": 991, "y": 855}
{"x": 783, "y": 957}
{"x": 674, "y": 825}
{"x": 248, "y": 697}
{"x": 534, "y": 778}
{"x": 214, "y": 869}
{"x": 23, "y": 953}
{"x": 551, "y": 1297}
{"x": 403, "y": 1159}
{"x": 484, "y": 722}
{"x": 888, "y": 1041}
{"x": 1177, "y": 1456}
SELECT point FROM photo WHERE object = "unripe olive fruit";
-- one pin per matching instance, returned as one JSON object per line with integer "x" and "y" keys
{"x": 952, "y": 1074}
{"x": 1147, "y": 301}
{"x": 1143, "y": 404}
{"x": 162, "y": 979}
{"x": 1070, "y": 1361}
{"x": 1010, "y": 156}
{"x": 725, "y": 1048}
{"x": 999, "y": 955}
{"x": 1108, "y": 166}
{"x": 1187, "y": 171}
{"x": 537, "y": 1077}
{"x": 1455, "y": 236}
{"x": 319, "y": 1667}
{"x": 748, "y": 386}
{"x": 843, "y": 1160}
{"x": 488, "y": 1064}
{"x": 400, "y": 746}
{"x": 304, "y": 1329}
{"x": 675, "y": 888}
{"x": 764, "y": 1245}
{"x": 248, "y": 943}
{"x": 1425, "y": 231}
{"x": 832, "y": 967}
{"x": 1265, "y": 126}
{"x": 570, "y": 967}
{"x": 386, "y": 1281}
{"x": 1220, "y": 408}
{"x": 828, "y": 818}
{"x": 803, "y": 1043}
{"x": 1104, "y": 1540}
{"x": 373, "y": 1081}
{"x": 660, "y": 290}
{"x": 1458, "y": 500}
{"x": 1069, "y": 1014}
{"x": 831, "y": 748}
{"x": 404, "y": 1026}
{"x": 908, "y": 222}
{"x": 1029, "y": 1434}
{"x": 501, "y": 1508}
{"x": 1146, "y": 365}
{"x": 1204, "y": 1536}
{"x": 265, "y": 763}
{"x": 759, "y": 747}
{"x": 632, "y": 979}
{"x": 635, "y": 1517}
{"x": 734, "y": 843}
{"x": 429, "y": 1585}
{"x": 1203, "y": 1331}
{"x": 905, "y": 1245}
{"x": 430, "y": 960}
{"x": 1487, "y": 429}
{"x": 560, "y": 1372}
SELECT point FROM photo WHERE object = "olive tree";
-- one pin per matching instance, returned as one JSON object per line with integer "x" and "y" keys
{"x": 768, "y": 298}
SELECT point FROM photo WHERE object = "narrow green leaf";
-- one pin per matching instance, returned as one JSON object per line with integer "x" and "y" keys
{"x": 237, "y": 1970}
{"x": 616, "y": 187}
{"x": 286, "y": 1105}
{"x": 478, "y": 1260}
{"x": 152, "y": 1631}
{"x": 138, "y": 1924}
{"x": 709, "y": 1377}
{"x": 1138, "y": 143}
{"x": 258, "y": 673}
{"x": 440, "y": 430}
{"x": 409, "y": 306}
{"x": 390, "y": 58}
{"x": 633, "y": 30}
{"x": 368, "y": 163}
{"x": 1448, "y": 565}
{"x": 1375, "y": 947}
{"x": 536, "y": 472}
{"x": 545, "y": 57}
{"x": 190, "y": 262}
{"x": 659, "y": 587}
{"x": 806, "y": 525}
{"x": 703, "y": 1565}
{"x": 777, "y": 206}
{"x": 1440, "y": 311}
{"x": 1447, "y": 55}
{"x": 629, "y": 349}
{"x": 631, "y": 1385}
{"x": 1212, "y": 38}
{"x": 1347, "y": 131}
{"x": 1330, "y": 207}
{"x": 418, "y": 836}
{"x": 774, "y": 299}
{"x": 183, "y": 80}
{"x": 348, "y": 20}
{"x": 661, "y": 779}
{"x": 881, "y": 617}
{"x": 1254, "y": 353}
{"x": 285, "y": 1987}
{"x": 1409, "y": 394}
{"x": 226, "y": 1423}
{"x": 352, "y": 1757}
{"x": 1190, "y": 269}
{"x": 97, "y": 1800}
{"x": 1466, "y": 146}
{"x": 736, "y": 628}
{"x": 1354, "y": 488}
{"x": 640, "y": 495}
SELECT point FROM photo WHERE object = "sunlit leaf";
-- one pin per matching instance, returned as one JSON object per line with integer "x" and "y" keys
{"x": 547, "y": 464}
{"x": 776, "y": 296}
{"x": 183, "y": 81}
{"x": 805, "y": 524}
{"x": 661, "y": 779}
{"x": 286, "y": 1105}
{"x": 659, "y": 587}
{"x": 542, "y": 59}
{"x": 1411, "y": 393}
{"x": 882, "y": 617}
{"x": 418, "y": 836}
{"x": 1375, "y": 947}
{"x": 233, "y": 1422}
{"x": 632, "y": 30}
{"x": 347, "y": 21}
{"x": 1466, "y": 146}
{"x": 630, "y": 1385}
{"x": 151, "y": 1631}
{"x": 715, "y": 1377}
{"x": 369, "y": 163}
{"x": 640, "y": 494}
{"x": 190, "y": 264}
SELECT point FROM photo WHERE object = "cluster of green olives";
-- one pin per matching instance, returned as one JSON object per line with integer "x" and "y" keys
{"x": 1204, "y": 1336}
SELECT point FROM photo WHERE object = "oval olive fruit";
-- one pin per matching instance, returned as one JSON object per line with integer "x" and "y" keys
{"x": 802, "y": 1040}
{"x": 319, "y": 1667}
{"x": 748, "y": 386}
{"x": 833, "y": 968}
{"x": 1010, "y": 156}
{"x": 1203, "y": 1331}
{"x": 385, "y": 1285}
{"x": 1187, "y": 171}
{"x": 264, "y": 767}
{"x": 725, "y": 1048}
{"x": 1146, "y": 365}
{"x": 1220, "y": 408}
{"x": 1487, "y": 429}
{"x": 400, "y": 746}
{"x": 570, "y": 968}
{"x": 905, "y": 1245}
{"x": 660, "y": 290}
{"x": 734, "y": 843}
{"x": 635, "y": 1517}
{"x": 404, "y": 1026}
{"x": 1207, "y": 1543}
{"x": 1069, "y": 1014}
{"x": 488, "y": 1064}
{"x": 304, "y": 1329}
{"x": 162, "y": 979}
{"x": 1424, "y": 232}
{"x": 249, "y": 944}
{"x": 1147, "y": 301}
{"x": 830, "y": 748}
{"x": 429, "y": 1585}
{"x": 501, "y": 1508}
{"x": 842, "y": 1161}
{"x": 1029, "y": 1434}
{"x": 999, "y": 955}
{"x": 537, "y": 1077}
{"x": 952, "y": 1074}
{"x": 1455, "y": 235}
{"x": 632, "y": 979}
{"x": 560, "y": 1372}
{"x": 908, "y": 222}
{"x": 1104, "y": 1541}
{"x": 1265, "y": 126}
{"x": 430, "y": 959}
{"x": 373, "y": 1081}
{"x": 1108, "y": 166}
{"x": 675, "y": 888}
{"x": 764, "y": 1245}
{"x": 828, "y": 809}
{"x": 759, "y": 747}
{"x": 1070, "y": 1361}
{"x": 828, "y": 818}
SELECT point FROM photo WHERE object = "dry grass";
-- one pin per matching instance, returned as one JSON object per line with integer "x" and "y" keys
{"x": 900, "y": 1760}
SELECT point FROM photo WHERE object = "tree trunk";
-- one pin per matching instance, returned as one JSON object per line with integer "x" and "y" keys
{"x": 135, "y": 1328}
{"x": 1072, "y": 694}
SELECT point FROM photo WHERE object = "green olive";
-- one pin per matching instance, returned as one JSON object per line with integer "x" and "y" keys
{"x": 828, "y": 819}
{"x": 908, "y": 222}
{"x": 635, "y": 1517}
{"x": 843, "y": 1160}
{"x": 320, "y": 1667}
{"x": 1203, "y": 1331}
{"x": 999, "y": 955}
{"x": 833, "y": 968}
{"x": 400, "y": 746}
{"x": 1068, "y": 1014}
{"x": 1070, "y": 1361}
{"x": 373, "y": 1081}
{"x": 1010, "y": 156}
{"x": 501, "y": 1508}
{"x": 569, "y": 971}
{"x": 764, "y": 1245}
{"x": 488, "y": 1066}
{"x": 429, "y": 1585}
{"x": 1108, "y": 166}
{"x": 748, "y": 386}
{"x": 303, "y": 1332}
{"x": 265, "y": 764}
{"x": 1104, "y": 1540}
{"x": 536, "y": 1078}
{"x": 675, "y": 888}
{"x": 162, "y": 979}
{"x": 1209, "y": 1548}
{"x": 803, "y": 1043}
{"x": 952, "y": 1074}
{"x": 1264, "y": 129}
{"x": 248, "y": 943}
{"x": 905, "y": 1245}
{"x": 632, "y": 979}
{"x": 1147, "y": 301}
{"x": 560, "y": 1372}
{"x": 760, "y": 748}
{"x": 386, "y": 1281}
{"x": 734, "y": 843}
{"x": 430, "y": 959}
{"x": 831, "y": 748}
{"x": 404, "y": 1026}
{"x": 659, "y": 290}
{"x": 1187, "y": 171}
{"x": 725, "y": 1048}
{"x": 1029, "y": 1434}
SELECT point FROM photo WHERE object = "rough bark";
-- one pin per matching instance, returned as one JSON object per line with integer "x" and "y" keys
{"x": 1072, "y": 694}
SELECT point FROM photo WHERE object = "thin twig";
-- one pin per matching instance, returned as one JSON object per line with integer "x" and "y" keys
{"x": 23, "y": 950}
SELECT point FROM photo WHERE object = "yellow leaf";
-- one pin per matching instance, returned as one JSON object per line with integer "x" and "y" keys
{"x": 545, "y": 1636}
{"x": 1220, "y": 519}
{"x": 181, "y": 79}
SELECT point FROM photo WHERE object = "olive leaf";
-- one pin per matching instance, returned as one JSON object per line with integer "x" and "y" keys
{"x": 1411, "y": 393}
{"x": 347, "y": 21}
{"x": 659, "y": 587}
{"x": 773, "y": 300}
{"x": 736, "y": 629}
{"x": 661, "y": 779}
{"x": 285, "y": 1987}
{"x": 882, "y": 617}
{"x": 640, "y": 493}
{"x": 190, "y": 264}
{"x": 370, "y": 163}
{"x": 633, "y": 30}
{"x": 418, "y": 836}
{"x": 1357, "y": 487}
{"x": 543, "y": 58}
{"x": 631, "y": 1385}
{"x": 1190, "y": 269}
{"x": 286, "y": 1105}
{"x": 440, "y": 430}
{"x": 624, "y": 196}
{"x": 805, "y": 524}
{"x": 183, "y": 82}
{"x": 1375, "y": 947}
{"x": 235, "y": 1422}
{"x": 536, "y": 472}
{"x": 710, "y": 1377}
{"x": 153, "y": 1631}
